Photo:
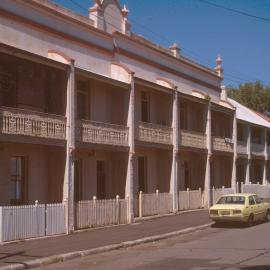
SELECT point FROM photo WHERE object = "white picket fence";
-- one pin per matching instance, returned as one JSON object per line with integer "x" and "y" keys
{"x": 29, "y": 221}
{"x": 218, "y": 192}
{"x": 263, "y": 191}
{"x": 95, "y": 213}
{"x": 150, "y": 204}
{"x": 190, "y": 199}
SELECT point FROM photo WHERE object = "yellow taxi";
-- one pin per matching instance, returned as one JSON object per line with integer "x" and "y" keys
{"x": 240, "y": 207}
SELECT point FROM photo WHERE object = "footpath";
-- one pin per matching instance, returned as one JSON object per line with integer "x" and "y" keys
{"x": 33, "y": 253}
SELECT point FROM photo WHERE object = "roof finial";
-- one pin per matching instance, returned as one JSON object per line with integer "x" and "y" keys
{"x": 218, "y": 67}
{"x": 125, "y": 11}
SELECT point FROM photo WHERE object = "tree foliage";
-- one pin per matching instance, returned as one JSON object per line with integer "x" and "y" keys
{"x": 253, "y": 95}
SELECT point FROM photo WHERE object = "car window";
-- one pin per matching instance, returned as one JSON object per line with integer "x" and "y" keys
{"x": 251, "y": 200}
{"x": 257, "y": 199}
{"x": 231, "y": 200}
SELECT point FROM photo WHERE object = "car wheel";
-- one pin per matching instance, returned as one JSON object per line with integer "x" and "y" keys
{"x": 267, "y": 216}
{"x": 250, "y": 221}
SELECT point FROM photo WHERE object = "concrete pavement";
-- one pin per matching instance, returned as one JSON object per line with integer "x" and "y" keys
{"x": 18, "y": 255}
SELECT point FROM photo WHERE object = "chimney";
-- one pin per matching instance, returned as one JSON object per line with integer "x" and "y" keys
{"x": 175, "y": 50}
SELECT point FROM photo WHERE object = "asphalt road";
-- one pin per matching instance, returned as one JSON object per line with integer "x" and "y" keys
{"x": 214, "y": 248}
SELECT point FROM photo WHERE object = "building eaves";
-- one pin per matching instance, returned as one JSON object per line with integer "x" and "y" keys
{"x": 247, "y": 115}
{"x": 182, "y": 59}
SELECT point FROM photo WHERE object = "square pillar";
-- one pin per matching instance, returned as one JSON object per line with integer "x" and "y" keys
{"x": 129, "y": 191}
{"x": 68, "y": 190}
{"x": 207, "y": 181}
{"x": 174, "y": 169}
{"x": 233, "y": 180}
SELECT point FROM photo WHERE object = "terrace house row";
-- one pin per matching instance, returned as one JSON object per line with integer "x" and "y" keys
{"x": 88, "y": 108}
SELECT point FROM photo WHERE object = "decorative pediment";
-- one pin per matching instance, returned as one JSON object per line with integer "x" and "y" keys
{"x": 199, "y": 94}
{"x": 59, "y": 57}
{"x": 164, "y": 82}
{"x": 120, "y": 72}
{"x": 109, "y": 16}
{"x": 226, "y": 104}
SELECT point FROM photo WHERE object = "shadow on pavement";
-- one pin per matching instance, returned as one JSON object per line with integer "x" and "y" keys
{"x": 234, "y": 225}
{"x": 256, "y": 267}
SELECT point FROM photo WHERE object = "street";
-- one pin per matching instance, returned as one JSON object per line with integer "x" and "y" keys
{"x": 226, "y": 247}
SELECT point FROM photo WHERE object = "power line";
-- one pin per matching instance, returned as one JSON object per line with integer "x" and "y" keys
{"x": 235, "y": 10}
{"x": 233, "y": 75}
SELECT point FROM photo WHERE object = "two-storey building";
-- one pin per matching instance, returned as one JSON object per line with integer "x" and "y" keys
{"x": 89, "y": 108}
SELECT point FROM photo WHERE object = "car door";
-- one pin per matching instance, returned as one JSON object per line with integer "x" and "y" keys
{"x": 259, "y": 206}
{"x": 252, "y": 207}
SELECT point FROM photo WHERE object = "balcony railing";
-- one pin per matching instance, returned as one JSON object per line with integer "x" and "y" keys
{"x": 149, "y": 132}
{"x": 241, "y": 147}
{"x": 222, "y": 144}
{"x": 192, "y": 139}
{"x": 102, "y": 133}
{"x": 14, "y": 121}
{"x": 257, "y": 149}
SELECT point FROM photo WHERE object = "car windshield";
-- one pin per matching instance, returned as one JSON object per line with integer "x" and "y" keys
{"x": 231, "y": 200}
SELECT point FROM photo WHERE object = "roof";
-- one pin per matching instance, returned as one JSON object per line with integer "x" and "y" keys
{"x": 245, "y": 114}
{"x": 265, "y": 117}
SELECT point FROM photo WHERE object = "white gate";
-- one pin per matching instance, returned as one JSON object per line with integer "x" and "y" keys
{"x": 55, "y": 219}
{"x": 190, "y": 199}
{"x": 151, "y": 204}
{"x": 96, "y": 213}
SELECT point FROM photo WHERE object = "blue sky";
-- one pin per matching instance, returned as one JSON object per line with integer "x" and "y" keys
{"x": 204, "y": 31}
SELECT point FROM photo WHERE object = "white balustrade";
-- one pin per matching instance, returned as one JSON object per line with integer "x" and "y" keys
{"x": 154, "y": 133}
{"x": 15, "y": 121}
{"x": 103, "y": 133}
{"x": 192, "y": 139}
{"x": 222, "y": 144}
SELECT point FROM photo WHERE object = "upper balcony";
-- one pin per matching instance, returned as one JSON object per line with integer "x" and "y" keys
{"x": 192, "y": 123}
{"x": 257, "y": 149}
{"x": 153, "y": 115}
{"x": 148, "y": 132}
{"x": 102, "y": 110}
{"x": 192, "y": 139}
{"x": 102, "y": 133}
{"x": 32, "y": 100}
{"x": 242, "y": 147}
{"x": 16, "y": 121}
{"x": 222, "y": 144}
{"x": 222, "y": 126}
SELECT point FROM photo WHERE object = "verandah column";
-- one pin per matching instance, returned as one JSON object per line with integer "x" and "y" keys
{"x": 207, "y": 182}
{"x": 130, "y": 172}
{"x": 174, "y": 170}
{"x": 247, "y": 180}
{"x": 233, "y": 180}
{"x": 264, "y": 182}
{"x": 68, "y": 193}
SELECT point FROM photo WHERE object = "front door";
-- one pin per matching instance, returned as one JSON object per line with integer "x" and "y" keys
{"x": 78, "y": 180}
{"x": 142, "y": 174}
{"x": 101, "y": 179}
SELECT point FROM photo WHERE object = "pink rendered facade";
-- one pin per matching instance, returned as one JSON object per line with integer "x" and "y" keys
{"x": 88, "y": 109}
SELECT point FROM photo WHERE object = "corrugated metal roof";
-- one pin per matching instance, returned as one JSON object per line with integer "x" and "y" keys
{"x": 245, "y": 114}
